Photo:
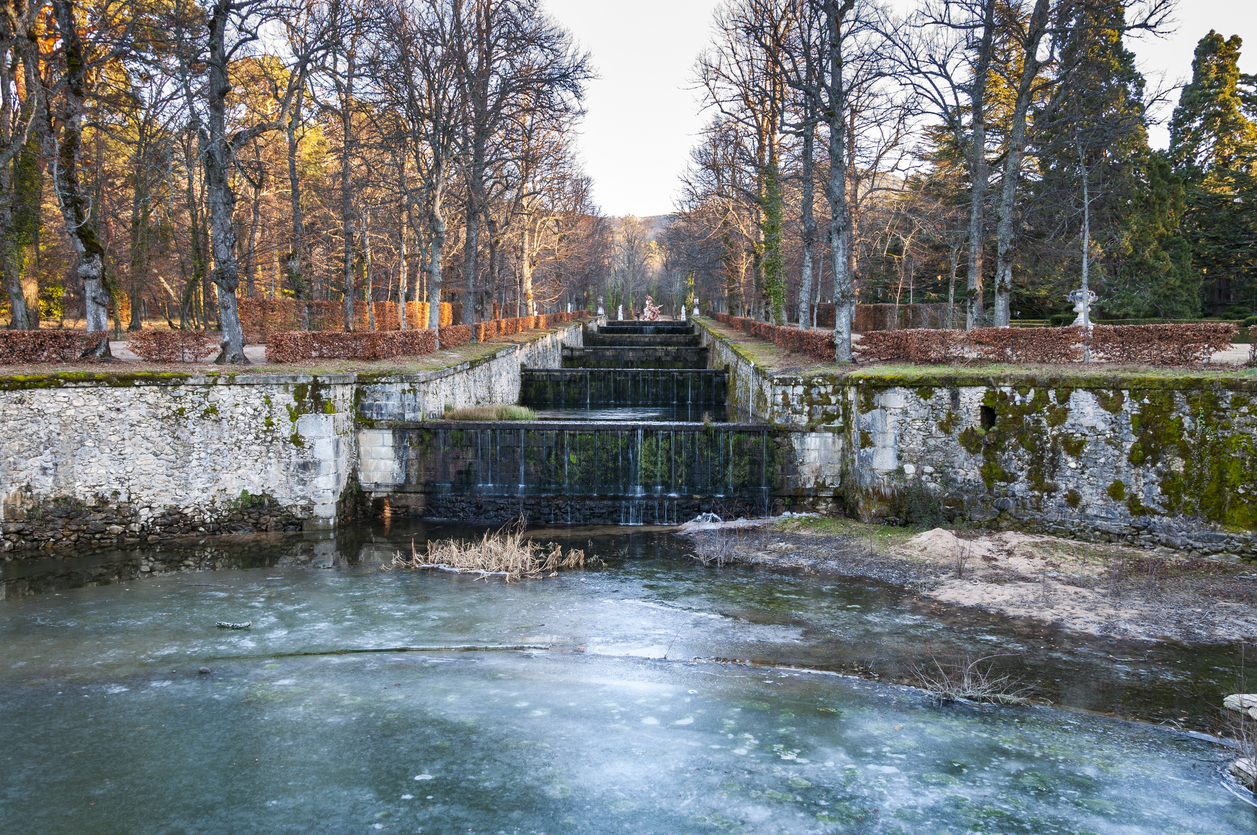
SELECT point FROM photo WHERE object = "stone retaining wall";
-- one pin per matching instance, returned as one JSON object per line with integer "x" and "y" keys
{"x": 94, "y": 459}
{"x": 1150, "y": 459}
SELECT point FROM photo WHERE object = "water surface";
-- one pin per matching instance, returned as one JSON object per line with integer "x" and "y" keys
{"x": 612, "y": 700}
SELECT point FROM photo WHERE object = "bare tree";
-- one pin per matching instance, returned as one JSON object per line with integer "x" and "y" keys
{"x": 234, "y": 26}
{"x": 512, "y": 58}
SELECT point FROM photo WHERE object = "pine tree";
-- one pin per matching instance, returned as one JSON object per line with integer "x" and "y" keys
{"x": 1213, "y": 144}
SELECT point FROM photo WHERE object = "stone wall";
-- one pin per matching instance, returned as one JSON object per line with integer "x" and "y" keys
{"x": 1148, "y": 459}
{"x": 95, "y": 459}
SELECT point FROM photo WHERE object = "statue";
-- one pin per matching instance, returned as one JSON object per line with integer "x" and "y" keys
{"x": 619, "y": 313}
{"x": 601, "y": 312}
{"x": 1082, "y": 306}
{"x": 695, "y": 313}
{"x": 651, "y": 311}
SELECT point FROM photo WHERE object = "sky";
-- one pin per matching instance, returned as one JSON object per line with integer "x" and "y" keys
{"x": 644, "y": 115}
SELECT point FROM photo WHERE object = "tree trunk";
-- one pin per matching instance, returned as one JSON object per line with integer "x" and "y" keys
{"x": 298, "y": 262}
{"x": 20, "y": 222}
{"x": 809, "y": 229}
{"x": 220, "y": 199}
{"x": 402, "y": 277}
{"x": 1012, "y": 166}
{"x": 67, "y": 146}
{"x": 836, "y": 188}
{"x": 437, "y": 222}
{"x": 975, "y": 315}
{"x": 346, "y": 191}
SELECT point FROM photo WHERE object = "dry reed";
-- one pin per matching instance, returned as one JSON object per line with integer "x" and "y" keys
{"x": 973, "y": 680}
{"x": 506, "y": 554}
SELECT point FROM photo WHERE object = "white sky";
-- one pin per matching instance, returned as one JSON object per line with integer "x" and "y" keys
{"x": 643, "y": 117}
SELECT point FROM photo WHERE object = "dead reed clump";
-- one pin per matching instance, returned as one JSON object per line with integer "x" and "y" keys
{"x": 719, "y": 547}
{"x": 506, "y": 554}
{"x": 969, "y": 679}
{"x": 490, "y": 413}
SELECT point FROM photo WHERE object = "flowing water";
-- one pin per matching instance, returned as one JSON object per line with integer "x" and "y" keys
{"x": 649, "y": 695}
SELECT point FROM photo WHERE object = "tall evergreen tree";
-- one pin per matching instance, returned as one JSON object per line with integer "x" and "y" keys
{"x": 1213, "y": 144}
{"x": 1097, "y": 168}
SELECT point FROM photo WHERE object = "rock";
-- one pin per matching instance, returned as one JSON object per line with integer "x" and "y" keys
{"x": 1245, "y": 770}
{"x": 1241, "y": 702}
{"x": 204, "y": 671}
{"x": 1004, "y": 504}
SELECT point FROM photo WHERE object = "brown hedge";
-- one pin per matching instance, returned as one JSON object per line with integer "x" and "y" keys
{"x": 817, "y": 344}
{"x": 260, "y": 317}
{"x": 452, "y": 336}
{"x": 62, "y": 345}
{"x": 504, "y": 327}
{"x": 1160, "y": 344}
{"x": 1125, "y": 344}
{"x": 174, "y": 346}
{"x": 295, "y": 346}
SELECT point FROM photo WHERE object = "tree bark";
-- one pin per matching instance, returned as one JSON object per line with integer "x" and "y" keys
{"x": 67, "y": 143}
{"x": 809, "y": 228}
{"x": 975, "y": 311}
{"x": 1005, "y": 232}
{"x": 836, "y": 187}
{"x": 220, "y": 198}
{"x": 20, "y": 219}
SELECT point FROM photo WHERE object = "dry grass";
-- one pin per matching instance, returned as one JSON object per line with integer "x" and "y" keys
{"x": 490, "y": 413}
{"x": 506, "y": 554}
{"x": 970, "y": 679}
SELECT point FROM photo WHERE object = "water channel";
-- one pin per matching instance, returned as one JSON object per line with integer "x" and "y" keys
{"x": 650, "y": 694}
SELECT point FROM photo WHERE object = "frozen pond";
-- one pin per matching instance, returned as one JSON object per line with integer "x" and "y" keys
{"x": 610, "y": 700}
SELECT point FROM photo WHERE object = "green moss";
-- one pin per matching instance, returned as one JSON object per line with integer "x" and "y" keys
{"x": 1073, "y": 444}
{"x": 949, "y": 423}
{"x": 925, "y": 393}
{"x": 971, "y": 440}
{"x": 1117, "y": 490}
{"x": 210, "y": 411}
{"x": 1057, "y": 416}
{"x": 1111, "y": 401}
{"x": 866, "y": 440}
{"x": 866, "y": 399}
{"x": 1073, "y": 498}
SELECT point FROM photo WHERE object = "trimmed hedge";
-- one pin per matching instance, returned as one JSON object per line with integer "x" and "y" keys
{"x": 295, "y": 346}
{"x": 260, "y": 317}
{"x": 1164, "y": 345}
{"x": 62, "y": 345}
{"x": 817, "y": 344}
{"x": 452, "y": 336}
{"x": 505, "y": 327}
{"x": 1125, "y": 344}
{"x": 174, "y": 346}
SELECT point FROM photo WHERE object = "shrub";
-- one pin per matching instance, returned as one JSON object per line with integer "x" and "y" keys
{"x": 1160, "y": 344}
{"x": 47, "y": 345}
{"x": 295, "y": 346}
{"x": 452, "y": 336}
{"x": 1131, "y": 344}
{"x": 1252, "y": 349}
{"x": 174, "y": 346}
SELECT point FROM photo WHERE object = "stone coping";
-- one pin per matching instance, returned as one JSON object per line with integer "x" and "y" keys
{"x": 123, "y": 379}
{"x": 898, "y": 376}
{"x": 575, "y": 425}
